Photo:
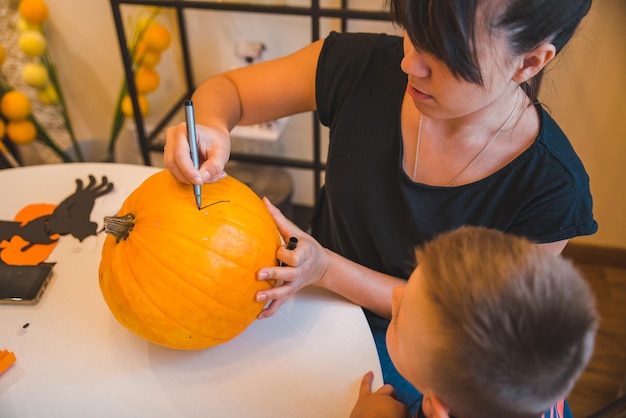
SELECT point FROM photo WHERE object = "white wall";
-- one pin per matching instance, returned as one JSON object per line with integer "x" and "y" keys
{"x": 584, "y": 90}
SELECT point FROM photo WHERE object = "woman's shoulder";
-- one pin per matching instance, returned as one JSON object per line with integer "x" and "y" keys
{"x": 362, "y": 42}
{"x": 360, "y": 37}
{"x": 555, "y": 143}
{"x": 358, "y": 70}
{"x": 352, "y": 52}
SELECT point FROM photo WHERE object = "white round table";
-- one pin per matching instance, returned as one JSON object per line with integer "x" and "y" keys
{"x": 75, "y": 360}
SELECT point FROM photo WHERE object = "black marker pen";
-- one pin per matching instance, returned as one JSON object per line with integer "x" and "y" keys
{"x": 291, "y": 245}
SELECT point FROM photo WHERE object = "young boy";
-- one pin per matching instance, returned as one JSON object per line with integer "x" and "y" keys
{"x": 488, "y": 326}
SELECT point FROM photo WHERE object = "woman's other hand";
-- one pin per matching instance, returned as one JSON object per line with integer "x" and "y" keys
{"x": 304, "y": 265}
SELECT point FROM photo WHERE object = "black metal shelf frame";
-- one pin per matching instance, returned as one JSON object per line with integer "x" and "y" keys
{"x": 314, "y": 11}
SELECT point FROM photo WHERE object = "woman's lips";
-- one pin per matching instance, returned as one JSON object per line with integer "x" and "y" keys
{"x": 415, "y": 94}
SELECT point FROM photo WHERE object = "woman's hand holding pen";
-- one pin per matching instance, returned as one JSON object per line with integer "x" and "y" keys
{"x": 304, "y": 265}
{"x": 213, "y": 152}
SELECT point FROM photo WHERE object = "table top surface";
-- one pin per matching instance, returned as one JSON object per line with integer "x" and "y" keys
{"x": 75, "y": 359}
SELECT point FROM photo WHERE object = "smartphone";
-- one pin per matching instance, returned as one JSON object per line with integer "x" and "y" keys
{"x": 24, "y": 284}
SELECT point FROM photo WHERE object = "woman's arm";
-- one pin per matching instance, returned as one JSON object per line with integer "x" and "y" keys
{"x": 554, "y": 247}
{"x": 247, "y": 95}
{"x": 312, "y": 264}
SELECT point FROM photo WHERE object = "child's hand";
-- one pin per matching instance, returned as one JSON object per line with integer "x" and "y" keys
{"x": 379, "y": 404}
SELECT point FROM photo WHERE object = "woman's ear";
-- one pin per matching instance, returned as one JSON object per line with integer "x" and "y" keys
{"x": 533, "y": 62}
{"x": 433, "y": 407}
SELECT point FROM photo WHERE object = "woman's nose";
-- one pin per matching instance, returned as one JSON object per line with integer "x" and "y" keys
{"x": 415, "y": 63}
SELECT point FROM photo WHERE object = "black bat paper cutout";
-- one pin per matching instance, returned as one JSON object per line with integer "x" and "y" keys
{"x": 71, "y": 216}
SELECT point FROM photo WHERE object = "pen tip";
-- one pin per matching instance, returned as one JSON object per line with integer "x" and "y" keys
{"x": 199, "y": 202}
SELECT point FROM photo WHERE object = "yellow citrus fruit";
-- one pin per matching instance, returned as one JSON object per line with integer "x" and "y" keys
{"x": 3, "y": 55}
{"x": 34, "y": 12}
{"x": 23, "y": 25}
{"x": 32, "y": 43}
{"x": 35, "y": 75}
{"x": 48, "y": 95}
{"x": 15, "y": 105}
{"x": 127, "y": 105}
{"x": 21, "y": 131}
{"x": 157, "y": 37}
{"x": 146, "y": 80}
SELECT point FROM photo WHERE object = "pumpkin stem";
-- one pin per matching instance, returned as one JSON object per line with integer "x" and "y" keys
{"x": 119, "y": 226}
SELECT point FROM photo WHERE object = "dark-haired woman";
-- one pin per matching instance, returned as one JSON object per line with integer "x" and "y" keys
{"x": 438, "y": 129}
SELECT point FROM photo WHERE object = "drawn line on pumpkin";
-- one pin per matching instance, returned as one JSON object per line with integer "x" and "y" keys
{"x": 254, "y": 212}
{"x": 214, "y": 203}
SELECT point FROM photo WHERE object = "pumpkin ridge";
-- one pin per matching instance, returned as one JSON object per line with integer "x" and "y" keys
{"x": 222, "y": 256}
{"x": 182, "y": 236}
{"x": 162, "y": 313}
{"x": 192, "y": 287}
{"x": 123, "y": 298}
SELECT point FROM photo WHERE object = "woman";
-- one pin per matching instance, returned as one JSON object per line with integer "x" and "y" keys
{"x": 427, "y": 133}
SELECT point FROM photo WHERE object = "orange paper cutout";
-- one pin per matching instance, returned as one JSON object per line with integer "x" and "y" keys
{"x": 18, "y": 251}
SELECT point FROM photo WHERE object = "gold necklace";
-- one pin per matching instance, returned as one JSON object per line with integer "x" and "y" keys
{"x": 471, "y": 163}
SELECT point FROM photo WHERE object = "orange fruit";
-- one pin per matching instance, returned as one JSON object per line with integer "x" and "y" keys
{"x": 2, "y": 131}
{"x": 157, "y": 37}
{"x": 146, "y": 57}
{"x": 21, "y": 131}
{"x": 15, "y": 105}
{"x": 34, "y": 12}
{"x": 146, "y": 80}
{"x": 150, "y": 59}
{"x": 32, "y": 43}
{"x": 139, "y": 51}
{"x": 127, "y": 105}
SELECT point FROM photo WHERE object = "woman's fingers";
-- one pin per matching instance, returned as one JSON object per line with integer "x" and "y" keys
{"x": 272, "y": 308}
{"x": 213, "y": 150}
{"x": 277, "y": 296}
{"x": 177, "y": 155}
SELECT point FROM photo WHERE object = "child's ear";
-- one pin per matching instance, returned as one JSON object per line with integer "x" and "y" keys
{"x": 433, "y": 407}
{"x": 533, "y": 62}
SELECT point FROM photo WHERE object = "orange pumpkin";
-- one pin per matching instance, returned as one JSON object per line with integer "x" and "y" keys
{"x": 181, "y": 277}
